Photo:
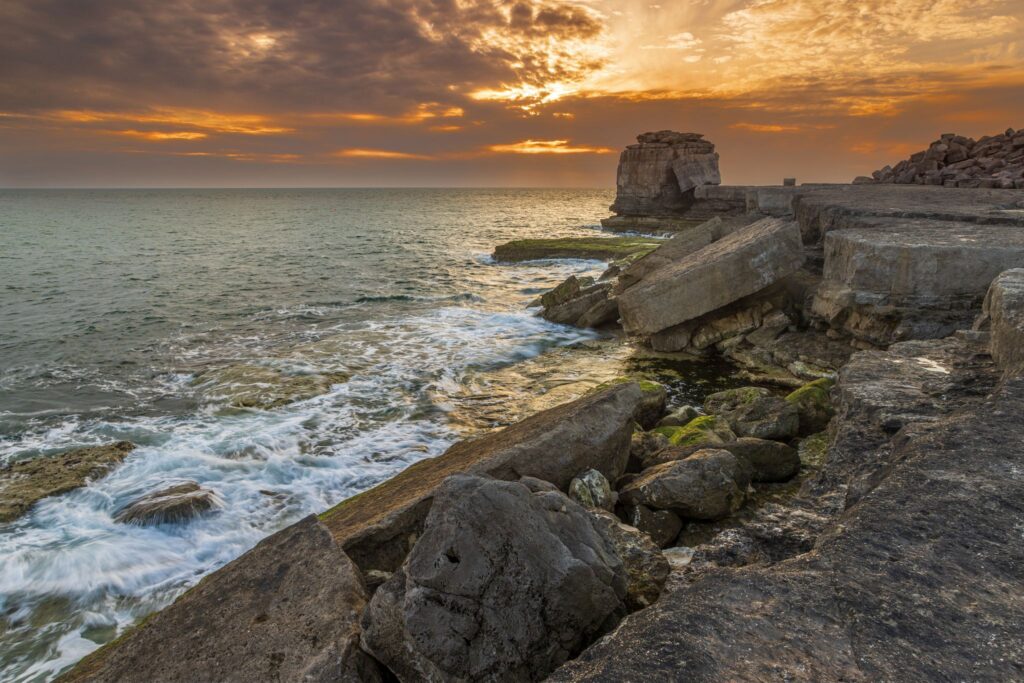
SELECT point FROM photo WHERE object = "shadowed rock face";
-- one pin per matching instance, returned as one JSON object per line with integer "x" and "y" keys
{"x": 916, "y": 573}
{"x": 504, "y": 585}
{"x": 287, "y": 610}
{"x": 657, "y": 175}
{"x": 1004, "y": 315}
{"x": 377, "y": 527}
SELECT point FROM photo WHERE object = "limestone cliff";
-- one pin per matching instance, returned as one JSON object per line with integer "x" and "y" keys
{"x": 657, "y": 175}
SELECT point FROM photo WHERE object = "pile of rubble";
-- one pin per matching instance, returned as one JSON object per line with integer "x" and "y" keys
{"x": 995, "y": 161}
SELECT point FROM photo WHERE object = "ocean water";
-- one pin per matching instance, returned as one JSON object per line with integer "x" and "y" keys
{"x": 141, "y": 315}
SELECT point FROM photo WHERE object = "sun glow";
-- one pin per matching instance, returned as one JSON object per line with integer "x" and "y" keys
{"x": 547, "y": 147}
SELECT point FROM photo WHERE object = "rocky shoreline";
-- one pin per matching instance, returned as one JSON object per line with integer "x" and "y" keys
{"x": 853, "y": 514}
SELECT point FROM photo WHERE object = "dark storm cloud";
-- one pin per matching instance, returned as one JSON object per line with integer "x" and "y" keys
{"x": 273, "y": 54}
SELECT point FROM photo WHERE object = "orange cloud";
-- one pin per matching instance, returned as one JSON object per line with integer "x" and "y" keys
{"x": 425, "y": 111}
{"x": 547, "y": 147}
{"x": 765, "y": 127}
{"x": 361, "y": 153}
{"x": 214, "y": 122}
{"x": 160, "y": 136}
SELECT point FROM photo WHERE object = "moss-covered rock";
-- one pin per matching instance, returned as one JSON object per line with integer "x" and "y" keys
{"x": 814, "y": 405}
{"x": 703, "y": 431}
{"x": 755, "y": 412}
{"x": 652, "y": 405}
{"x": 24, "y": 483}
{"x": 600, "y": 248}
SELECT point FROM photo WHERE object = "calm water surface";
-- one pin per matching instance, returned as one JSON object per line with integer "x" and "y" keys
{"x": 137, "y": 314}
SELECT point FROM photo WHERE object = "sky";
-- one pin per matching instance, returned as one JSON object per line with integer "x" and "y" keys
{"x": 313, "y": 93}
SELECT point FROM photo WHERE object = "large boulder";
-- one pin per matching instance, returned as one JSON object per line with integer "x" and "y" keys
{"x": 170, "y": 505}
{"x": 754, "y": 412}
{"x": 770, "y": 460}
{"x": 1004, "y": 311}
{"x": 26, "y": 482}
{"x": 657, "y": 175}
{"x": 504, "y": 585}
{"x": 741, "y": 263}
{"x": 287, "y": 610}
{"x": 377, "y": 527}
{"x": 710, "y": 484}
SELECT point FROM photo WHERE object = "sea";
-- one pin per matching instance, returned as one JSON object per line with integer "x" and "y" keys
{"x": 285, "y": 349}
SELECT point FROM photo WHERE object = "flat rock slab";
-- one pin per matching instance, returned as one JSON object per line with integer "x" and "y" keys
{"x": 820, "y": 210}
{"x": 597, "y": 248}
{"x": 24, "y": 483}
{"x": 739, "y": 264}
{"x": 1004, "y": 308}
{"x": 287, "y": 610}
{"x": 378, "y": 527}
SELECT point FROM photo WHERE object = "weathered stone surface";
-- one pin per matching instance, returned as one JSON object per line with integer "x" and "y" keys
{"x": 661, "y": 525}
{"x": 890, "y": 284}
{"x": 914, "y": 575}
{"x": 504, "y": 585}
{"x": 599, "y": 248}
{"x": 170, "y": 505}
{"x": 567, "y": 290}
{"x": 592, "y": 490}
{"x": 1004, "y": 310}
{"x": 709, "y": 484}
{"x": 739, "y": 264}
{"x": 26, "y": 482}
{"x": 814, "y": 405}
{"x": 754, "y": 412}
{"x": 572, "y": 311}
{"x": 643, "y": 445}
{"x": 700, "y": 432}
{"x": 682, "y": 244}
{"x": 377, "y": 528}
{"x": 287, "y": 610}
{"x": 646, "y": 568}
{"x": 656, "y": 176}
{"x": 602, "y": 313}
{"x": 770, "y": 460}
{"x": 679, "y": 417}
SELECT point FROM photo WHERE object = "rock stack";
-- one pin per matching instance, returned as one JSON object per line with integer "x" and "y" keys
{"x": 657, "y": 175}
{"x": 995, "y": 161}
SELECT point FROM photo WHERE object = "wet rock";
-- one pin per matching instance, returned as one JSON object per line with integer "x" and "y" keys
{"x": 171, "y": 505}
{"x": 646, "y": 567}
{"x": 679, "y": 417}
{"x": 602, "y": 313}
{"x": 286, "y": 610}
{"x": 592, "y": 490}
{"x": 599, "y": 248}
{"x": 573, "y": 310}
{"x": 504, "y": 584}
{"x": 1004, "y": 310}
{"x": 661, "y": 525}
{"x": 770, "y": 460}
{"x": 814, "y": 405}
{"x": 377, "y": 528}
{"x": 710, "y": 484}
{"x": 754, "y": 412}
{"x": 567, "y": 290}
{"x": 263, "y": 387}
{"x": 24, "y": 483}
{"x": 656, "y": 176}
{"x": 739, "y": 264}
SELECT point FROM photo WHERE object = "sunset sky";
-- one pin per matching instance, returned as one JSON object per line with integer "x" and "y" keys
{"x": 474, "y": 92}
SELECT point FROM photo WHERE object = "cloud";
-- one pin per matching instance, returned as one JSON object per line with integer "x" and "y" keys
{"x": 360, "y": 153}
{"x": 547, "y": 147}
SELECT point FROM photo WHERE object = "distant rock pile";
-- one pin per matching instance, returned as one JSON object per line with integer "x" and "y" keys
{"x": 995, "y": 161}
{"x": 657, "y": 175}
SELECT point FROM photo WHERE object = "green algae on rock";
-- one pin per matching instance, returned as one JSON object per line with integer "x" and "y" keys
{"x": 599, "y": 248}
{"x": 706, "y": 430}
{"x": 814, "y": 405}
{"x": 652, "y": 405}
{"x": 264, "y": 387}
{"x": 23, "y": 484}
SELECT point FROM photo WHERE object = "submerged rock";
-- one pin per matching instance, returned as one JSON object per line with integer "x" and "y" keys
{"x": 24, "y": 483}
{"x": 170, "y": 505}
{"x": 263, "y": 387}
{"x": 504, "y": 584}
{"x": 287, "y": 610}
{"x": 599, "y": 248}
{"x": 710, "y": 484}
